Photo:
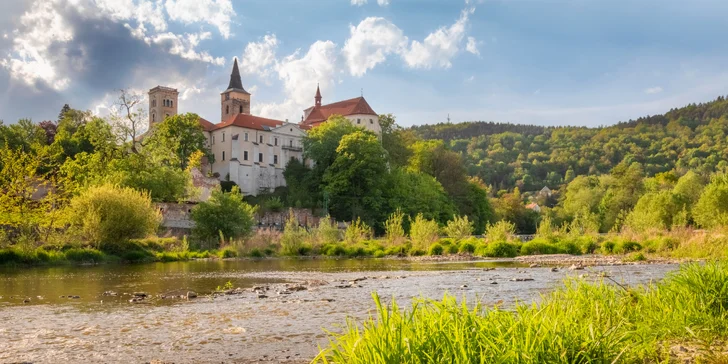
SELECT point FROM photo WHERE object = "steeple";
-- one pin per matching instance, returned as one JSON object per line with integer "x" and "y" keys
{"x": 236, "y": 83}
{"x": 318, "y": 96}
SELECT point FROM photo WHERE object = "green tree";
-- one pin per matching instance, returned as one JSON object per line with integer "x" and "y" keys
{"x": 711, "y": 210}
{"x": 355, "y": 179}
{"x": 223, "y": 214}
{"x": 175, "y": 139}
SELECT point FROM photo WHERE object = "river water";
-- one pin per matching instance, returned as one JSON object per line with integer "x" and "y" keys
{"x": 62, "y": 314}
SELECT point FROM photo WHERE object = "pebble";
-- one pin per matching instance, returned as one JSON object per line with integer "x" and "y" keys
{"x": 521, "y": 279}
{"x": 464, "y": 286}
{"x": 494, "y": 282}
{"x": 260, "y": 295}
{"x": 534, "y": 265}
{"x": 554, "y": 269}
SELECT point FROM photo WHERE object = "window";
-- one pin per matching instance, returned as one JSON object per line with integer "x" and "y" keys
{"x": 275, "y": 159}
{"x": 171, "y": 103}
{"x": 223, "y": 136}
{"x": 246, "y": 137}
{"x": 223, "y": 155}
{"x": 241, "y": 109}
{"x": 227, "y": 110}
{"x": 260, "y": 157}
{"x": 213, "y": 138}
{"x": 154, "y": 103}
{"x": 290, "y": 142}
{"x": 371, "y": 121}
{"x": 261, "y": 139}
{"x": 275, "y": 141}
{"x": 358, "y": 121}
{"x": 153, "y": 115}
{"x": 227, "y": 96}
{"x": 245, "y": 155}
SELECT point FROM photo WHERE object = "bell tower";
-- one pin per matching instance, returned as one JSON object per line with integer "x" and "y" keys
{"x": 235, "y": 100}
{"x": 162, "y": 104}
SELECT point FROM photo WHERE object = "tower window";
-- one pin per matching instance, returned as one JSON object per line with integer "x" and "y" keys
{"x": 245, "y": 155}
{"x": 371, "y": 121}
{"x": 246, "y": 137}
{"x": 154, "y": 103}
{"x": 275, "y": 159}
{"x": 241, "y": 109}
{"x": 358, "y": 121}
{"x": 223, "y": 136}
{"x": 261, "y": 139}
{"x": 227, "y": 96}
{"x": 223, "y": 155}
{"x": 227, "y": 109}
{"x": 153, "y": 117}
{"x": 171, "y": 103}
{"x": 260, "y": 157}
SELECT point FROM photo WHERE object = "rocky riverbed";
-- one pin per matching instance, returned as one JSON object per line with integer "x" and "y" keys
{"x": 271, "y": 316}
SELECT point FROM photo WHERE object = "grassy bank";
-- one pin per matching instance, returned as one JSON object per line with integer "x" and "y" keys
{"x": 579, "y": 323}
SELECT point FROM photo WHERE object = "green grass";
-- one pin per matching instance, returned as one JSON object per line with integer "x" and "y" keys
{"x": 579, "y": 323}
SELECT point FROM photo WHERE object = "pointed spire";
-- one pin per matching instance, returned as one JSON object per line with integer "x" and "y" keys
{"x": 318, "y": 95}
{"x": 235, "y": 81}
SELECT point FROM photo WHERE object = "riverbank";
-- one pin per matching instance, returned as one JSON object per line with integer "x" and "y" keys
{"x": 238, "y": 325}
{"x": 683, "y": 318}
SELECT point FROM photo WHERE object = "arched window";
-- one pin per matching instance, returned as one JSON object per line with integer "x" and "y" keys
{"x": 227, "y": 109}
{"x": 171, "y": 103}
{"x": 223, "y": 155}
{"x": 241, "y": 109}
{"x": 154, "y": 103}
{"x": 153, "y": 117}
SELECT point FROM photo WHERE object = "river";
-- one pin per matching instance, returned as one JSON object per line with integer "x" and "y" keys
{"x": 62, "y": 314}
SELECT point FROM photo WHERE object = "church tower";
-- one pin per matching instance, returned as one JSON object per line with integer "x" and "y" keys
{"x": 235, "y": 100}
{"x": 162, "y": 104}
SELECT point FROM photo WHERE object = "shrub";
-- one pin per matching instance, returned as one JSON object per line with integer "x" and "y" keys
{"x": 256, "y": 253}
{"x": 326, "y": 232}
{"x": 635, "y": 257}
{"x": 626, "y": 246}
{"x": 459, "y": 227}
{"x": 607, "y": 247}
{"x": 711, "y": 210}
{"x": 393, "y": 229}
{"x": 357, "y": 231}
{"x": 501, "y": 231}
{"x": 223, "y": 214}
{"x": 452, "y": 249}
{"x": 501, "y": 249}
{"x": 436, "y": 249}
{"x": 110, "y": 214}
{"x": 467, "y": 246}
{"x": 539, "y": 246}
{"x": 423, "y": 232}
{"x": 227, "y": 252}
{"x": 294, "y": 237}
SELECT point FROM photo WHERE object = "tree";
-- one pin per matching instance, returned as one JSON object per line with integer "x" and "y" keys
{"x": 417, "y": 193}
{"x": 64, "y": 110}
{"x": 321, "y": 143}
{"x": 711, "y": 210}
{"x": 224, "y": 214}
{"x": 108, "y": 214}
{"x": 395, "y": 140}
{"x": 175, "y": 139}
{"x": 355, "y": 180}
{"x": 18, "y": 183}
{"x": 128, "y": 118}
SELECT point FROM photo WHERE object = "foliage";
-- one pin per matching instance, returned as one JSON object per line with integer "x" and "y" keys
{"x": 501, "y": 231}
{"x": 423, "y": 232}
{"x": 173, "y": 141}
{"x": 357, "y": 231}
{"x": 393, "y": 229}
{"x": 458, "y": 228}
{"x": 110, "y": 214}
{"x": 711, "y": 210}
{"x": 223, "y": 214}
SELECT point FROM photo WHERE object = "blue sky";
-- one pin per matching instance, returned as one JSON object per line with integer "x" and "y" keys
{"x": 556, "y": 62}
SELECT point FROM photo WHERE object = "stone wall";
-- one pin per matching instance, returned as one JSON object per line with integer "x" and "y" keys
{"x": 278, "y": 219}
{"x": 176, "y": 215}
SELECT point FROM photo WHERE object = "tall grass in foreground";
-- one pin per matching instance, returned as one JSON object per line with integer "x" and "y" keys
{"x": 579, "y": 323}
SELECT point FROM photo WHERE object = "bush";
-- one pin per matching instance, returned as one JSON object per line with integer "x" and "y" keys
{"x": 607, "y": 247}
{"x": 436, "y": 249}
{"x": 711, "y": 210}
{"x": 223, "y": 214}
{"x": 459, "y": 227}
{"x": 327, "y": 232}
{"x": 501, "y": 249}
{"x": 626, "y": 246}
{"x": 294, "y": 237}
{"x": 452, "y": 249}
{"x": 393, "y": 229}
{"x": 110, "y": 214}
{"x": 467, "y": 246}
{"x": 502, "y": 231}
{"x": 423, "y": 232}
{"x": 357, "y": 231}
{"x": 227, "y": 252}
{"x": 256, "y": 253}
{"x": 539, "y": 246}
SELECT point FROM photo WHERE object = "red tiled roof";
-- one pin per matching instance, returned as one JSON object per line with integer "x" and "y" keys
{"x": 319, "y": 114}
{"x": 249, "y": 121}
{"x": 206, "y": 125}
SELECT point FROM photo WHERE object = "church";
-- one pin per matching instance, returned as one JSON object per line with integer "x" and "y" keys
{"x": 253, "y": 151}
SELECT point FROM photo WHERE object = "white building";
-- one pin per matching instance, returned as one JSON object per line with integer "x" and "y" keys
{"x": 253, "y": 151}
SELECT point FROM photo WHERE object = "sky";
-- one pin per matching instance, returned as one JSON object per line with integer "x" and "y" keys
{"x": 543, "y": 62}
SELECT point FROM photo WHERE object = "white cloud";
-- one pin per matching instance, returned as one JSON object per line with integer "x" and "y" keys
{"x": 300, "y": 74}
{"x": 653, "y": 90}
{"x": 217, "y": 13}
{"x": 439, "y": 47}
{"x": 258, "y": 56}
{"x": 30, "y": 61}
{"x": 358, "y": 2}
{"x": 383, "y": 2}
{"x": 472, "y": 46}
{"x": 370, "y": 43}
{"x": 32, "y": 58}
{"x": 470, "y": 79}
